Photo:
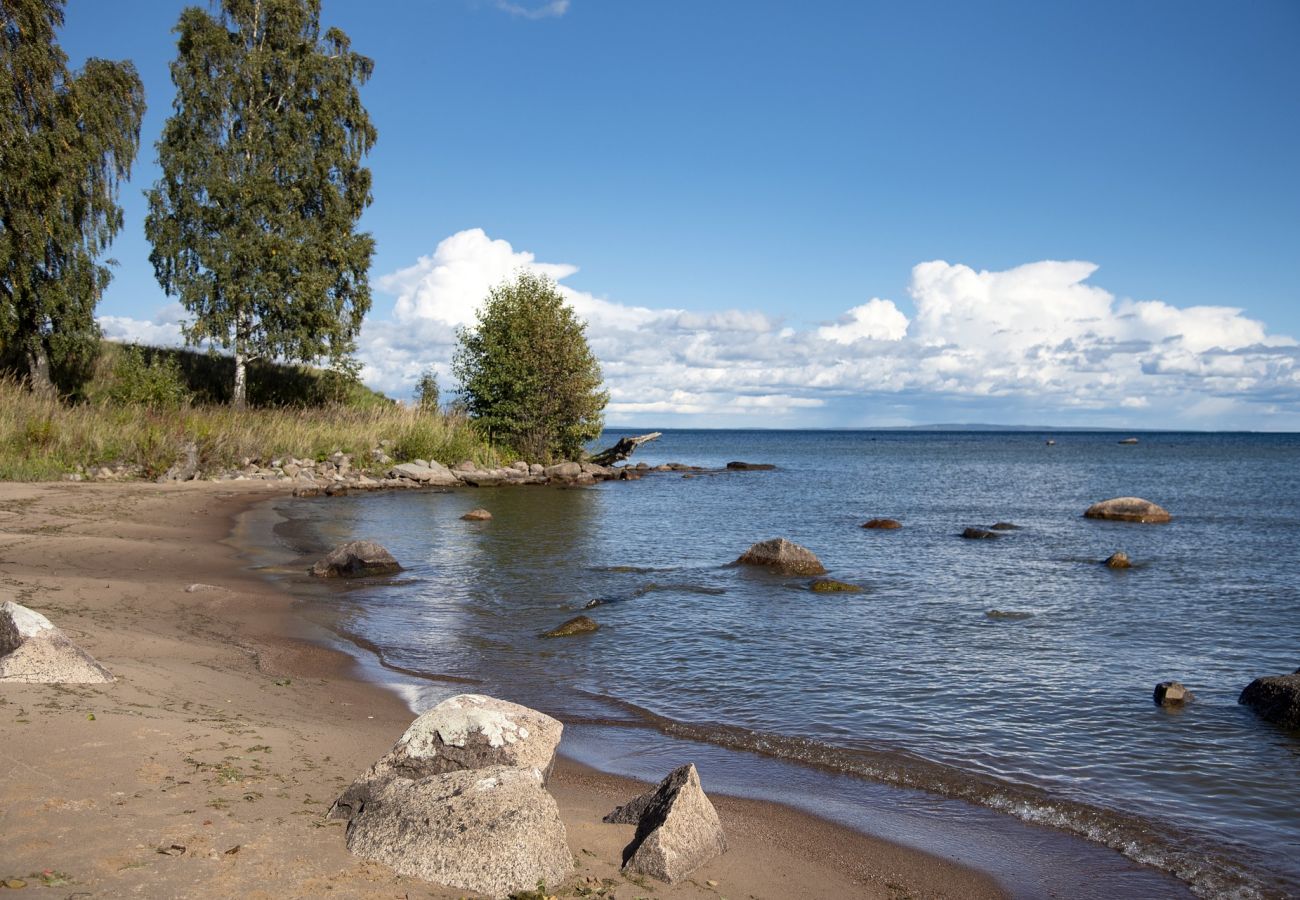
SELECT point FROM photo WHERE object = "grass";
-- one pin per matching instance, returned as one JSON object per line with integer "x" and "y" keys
{"x": 41, "y": 439}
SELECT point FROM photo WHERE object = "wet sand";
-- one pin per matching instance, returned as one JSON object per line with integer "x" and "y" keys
{"x": 206, "y": 770}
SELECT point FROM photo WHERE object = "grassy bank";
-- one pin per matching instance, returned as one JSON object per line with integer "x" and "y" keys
{"x": 144, "y": 405}
{"x": 43, "y": 439}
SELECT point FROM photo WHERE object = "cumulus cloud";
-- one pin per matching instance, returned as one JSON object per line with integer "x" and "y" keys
{"x": 163, "y": 330}
{"x": 1040, "y": 335}
{"x": 552, "y": 10}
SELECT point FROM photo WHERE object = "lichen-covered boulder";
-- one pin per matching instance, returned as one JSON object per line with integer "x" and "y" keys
{"x": 1276, "y": 698}
{"x": 783, "y": 556}
{"x": 355, "y": 559}
{"x": 494, "y": 830}
{"x": 576, "y": 625}
{"x": 33, "y": 651}
{"x": 882, "y": 524}
{"x": 1127, "y": 509}
{"x": 677, "y": 828}
{"x": 468, "y": 731}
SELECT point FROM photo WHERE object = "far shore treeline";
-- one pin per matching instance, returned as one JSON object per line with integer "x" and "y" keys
{"x": 253, "y": 225}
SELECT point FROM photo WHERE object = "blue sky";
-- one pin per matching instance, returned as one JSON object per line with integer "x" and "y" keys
{"x": 825, "y": 214}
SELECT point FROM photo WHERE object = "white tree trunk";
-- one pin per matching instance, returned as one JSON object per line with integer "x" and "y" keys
{"x": 239, "y": 397}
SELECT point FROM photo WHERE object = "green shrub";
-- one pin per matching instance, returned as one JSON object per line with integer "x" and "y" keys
{"x": 154, "y": 381}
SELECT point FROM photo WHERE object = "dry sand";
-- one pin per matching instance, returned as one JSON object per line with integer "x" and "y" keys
{"x": 206, "y": 770}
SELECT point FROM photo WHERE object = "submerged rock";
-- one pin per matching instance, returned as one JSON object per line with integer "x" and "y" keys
{"x": 738, "y": 466}
{"x": 576, "y": 625}
{"x": 356, "y": 558}
{"x": 33, "y": 651}
{"x": 495, "y": 830}
{"x": 883, "y": 524}
{"x": 477, "y": 515}
{"x": 1127, "y": 509}
{"x": 1276, "y": 698}
{"x": 783, "y": 556}
{"x": 1171, "y": 693}
{"x": 677, "y": 828}
{"x": 1118, "y": 560}
{"x": 1004, "y": 526}
{"x": 979, "y": 534}
{"x": 1010, "y": 614}
{"x": 831, "y": 586}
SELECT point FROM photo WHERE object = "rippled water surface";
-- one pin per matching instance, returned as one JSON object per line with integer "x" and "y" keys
{"x": 1045, "y": 713}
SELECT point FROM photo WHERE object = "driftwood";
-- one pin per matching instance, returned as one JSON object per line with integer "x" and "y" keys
{"x": 623, "y": 449}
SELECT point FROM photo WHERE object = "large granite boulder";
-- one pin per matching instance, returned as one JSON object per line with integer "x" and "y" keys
{"x": 468, "y": 731}
{"x": 495, "y": 830}
{"x": 354, "y": 559}
{"x": 677, "y": 828}
{"x": 33, "y": 651}
{"x": 421, "y": 471}
{"x": 1276, "y": 698}
{"x": 1127, "y": 509}
{"x": 564, "y": 471}
{"x": 783, "y": 556}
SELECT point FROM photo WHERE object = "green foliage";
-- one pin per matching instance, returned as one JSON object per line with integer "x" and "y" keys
{"x": 426, "y": 391}
{"x": 43, "y": 438}
{"x": 156, "y": 381}
{"x": 527, "y": 375}
{"x": 253, "y": 220}
{"x": 67, "y": 141}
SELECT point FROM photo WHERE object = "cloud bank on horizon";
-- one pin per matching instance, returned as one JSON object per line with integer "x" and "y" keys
{"x": 1032, "y": 344}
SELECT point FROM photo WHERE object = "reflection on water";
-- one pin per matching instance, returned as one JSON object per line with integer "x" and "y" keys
{"x": 1016, "y": 673}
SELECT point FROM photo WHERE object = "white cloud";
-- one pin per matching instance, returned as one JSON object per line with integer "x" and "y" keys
{"x": 1037, "y": 335}
{"x": 163, "y": 330}
{"x": 554, "y": 9}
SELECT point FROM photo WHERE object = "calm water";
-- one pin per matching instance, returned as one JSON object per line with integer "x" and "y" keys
{"x": 1046, "y": 716}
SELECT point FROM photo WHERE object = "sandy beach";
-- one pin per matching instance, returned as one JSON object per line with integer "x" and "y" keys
{"x": 207, "y": 768}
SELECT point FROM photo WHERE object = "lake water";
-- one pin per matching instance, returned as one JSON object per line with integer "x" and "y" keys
{"x": 1045, "y": 714}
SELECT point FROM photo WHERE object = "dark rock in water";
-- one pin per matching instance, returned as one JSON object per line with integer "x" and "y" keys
{"x": 592, "y": 604}
{"x": 831, "y": 586}
{"x": 1129, "y": 441}
{"x": 883, "y": 524}
{"x": 677, "y": 831}
{"x": 477, "y": 515}
{"x": 979, "y": 534}
{"x": 1172, "y": 693}
{"x": 576, "y": 625}
{"x": 1127, "y": 509}
{"x": 1118, "y": 560}
{"x": 1004, "y": 526}
{"x": 783, "y": 556}
{"x": 1276, "y": 698}
{"x": 750, "y": 467}
{"x": 356, "y": 558}
{"x": 1009, "y": 614}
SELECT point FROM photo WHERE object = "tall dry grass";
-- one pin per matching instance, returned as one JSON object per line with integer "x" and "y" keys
{"x": 42, "y": 439}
